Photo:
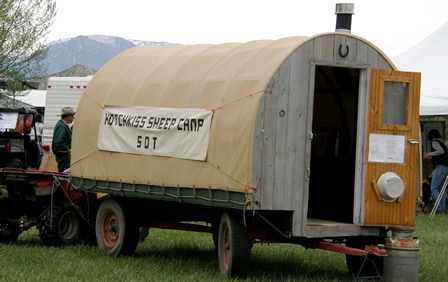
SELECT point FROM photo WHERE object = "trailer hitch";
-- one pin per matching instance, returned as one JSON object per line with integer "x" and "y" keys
{"x": 368, "y": 250}
{"x": 24, "y": 222}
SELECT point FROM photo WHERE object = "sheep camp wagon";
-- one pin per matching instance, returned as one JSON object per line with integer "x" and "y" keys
{"x": 306, "y": 140}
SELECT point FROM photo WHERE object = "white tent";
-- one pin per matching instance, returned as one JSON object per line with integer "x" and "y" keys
{"x": 35, "y": 98}
{"x": 430, "y": 57}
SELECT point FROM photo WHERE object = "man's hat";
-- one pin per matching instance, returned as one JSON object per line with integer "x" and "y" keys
{"x": 66, "y": 111}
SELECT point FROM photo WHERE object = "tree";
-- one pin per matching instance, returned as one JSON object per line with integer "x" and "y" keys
{"x": 24, "y": 27}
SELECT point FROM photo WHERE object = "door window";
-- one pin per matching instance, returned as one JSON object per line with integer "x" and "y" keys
{"x": 394, "y": 103}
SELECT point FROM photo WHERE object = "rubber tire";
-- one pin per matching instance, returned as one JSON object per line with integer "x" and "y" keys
{"x": 14, "y": 163}
{"x": 116, "y": 233}
{"x": 354, "y": 262}
{"x": 9, "y": 234}
{"x": 233, "y": 247}
{"x": 62, "y": 226}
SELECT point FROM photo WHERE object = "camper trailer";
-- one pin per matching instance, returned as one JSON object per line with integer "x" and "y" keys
{"x": 311, "y": 141}
{"x": 61, "y": 92}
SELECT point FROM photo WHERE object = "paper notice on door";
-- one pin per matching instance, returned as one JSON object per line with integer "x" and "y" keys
{"x": 386, "y": 148}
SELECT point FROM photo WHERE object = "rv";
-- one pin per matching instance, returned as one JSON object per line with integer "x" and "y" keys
{"x": 61, "y": 92}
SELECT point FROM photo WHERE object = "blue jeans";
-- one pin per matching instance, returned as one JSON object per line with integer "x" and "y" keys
{"x": 63, "y": 162}
{"x": 438, "y": 178}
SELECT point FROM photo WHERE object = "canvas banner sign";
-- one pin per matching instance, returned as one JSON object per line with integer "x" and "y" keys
{"x": 168, "y": 132}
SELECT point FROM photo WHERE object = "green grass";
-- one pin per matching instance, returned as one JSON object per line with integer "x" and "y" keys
{"x": 168, "y": 255}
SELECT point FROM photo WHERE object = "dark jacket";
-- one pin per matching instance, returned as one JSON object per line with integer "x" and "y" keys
{"x": 439, "y": 159}
{"x": 62, "y": 138}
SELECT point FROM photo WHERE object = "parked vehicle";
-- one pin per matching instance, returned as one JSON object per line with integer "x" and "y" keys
{"x": 31, "y": 198}
{"x": 18, "y": 149}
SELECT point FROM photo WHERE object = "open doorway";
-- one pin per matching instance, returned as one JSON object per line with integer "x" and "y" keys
{"x": 332, "y": 168}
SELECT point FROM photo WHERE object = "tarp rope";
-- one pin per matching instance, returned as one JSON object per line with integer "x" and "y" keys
{"x": 248, "y": 188}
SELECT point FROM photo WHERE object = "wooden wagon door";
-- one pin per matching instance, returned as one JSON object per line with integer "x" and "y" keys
{"x": 392, "y": 147}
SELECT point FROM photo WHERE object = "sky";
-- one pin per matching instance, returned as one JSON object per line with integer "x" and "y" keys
{"x": 392, "y": 25}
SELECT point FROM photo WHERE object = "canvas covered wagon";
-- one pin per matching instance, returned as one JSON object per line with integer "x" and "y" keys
{"x": 297, "y": 140}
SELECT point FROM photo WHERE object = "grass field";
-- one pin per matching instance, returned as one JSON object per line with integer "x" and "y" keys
{"x": 168, "y": 255}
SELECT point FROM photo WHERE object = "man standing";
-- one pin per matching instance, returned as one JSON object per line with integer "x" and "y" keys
{"x": 39, "y": 129}
{"x": 439, "y": 156}
{"x": 62, "y": 138}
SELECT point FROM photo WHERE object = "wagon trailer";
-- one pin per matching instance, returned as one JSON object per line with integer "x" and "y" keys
{"x": 306, "y": 140}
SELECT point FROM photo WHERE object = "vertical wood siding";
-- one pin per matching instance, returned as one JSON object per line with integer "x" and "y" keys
{"x": 281, "y": 143}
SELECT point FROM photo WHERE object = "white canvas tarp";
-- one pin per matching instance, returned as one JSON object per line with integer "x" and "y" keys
{"x": 430, "y": 57}
{"x": 227, "y": 79}
{"x": 35, "y": 98}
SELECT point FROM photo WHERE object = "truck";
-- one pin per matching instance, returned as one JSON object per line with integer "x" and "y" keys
{"x": 30, "y": 197}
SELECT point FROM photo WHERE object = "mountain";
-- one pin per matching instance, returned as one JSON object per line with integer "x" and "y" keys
{"x": 89, "y": 51}
{"x": 76, "y": 70}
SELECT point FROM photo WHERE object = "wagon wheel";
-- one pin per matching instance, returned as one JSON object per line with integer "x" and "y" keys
{"x": 115, "y": 230}
{"x": 233, "y": 247}
{"x": 354, "y": 263}
{"x": 60, "y": 224}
